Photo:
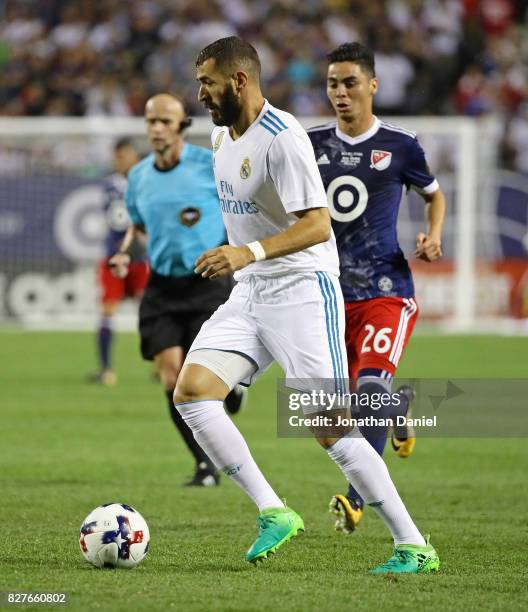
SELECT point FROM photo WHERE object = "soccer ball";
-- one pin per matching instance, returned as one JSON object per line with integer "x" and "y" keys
{"x": 114, "y": 535}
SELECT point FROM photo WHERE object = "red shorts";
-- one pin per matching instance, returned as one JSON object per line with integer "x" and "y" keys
{"x": 115, "y": 289}
{"x": 377, "y": 331}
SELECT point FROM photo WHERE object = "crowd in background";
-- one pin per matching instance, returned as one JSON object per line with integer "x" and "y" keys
{"x": 106, "y": 57}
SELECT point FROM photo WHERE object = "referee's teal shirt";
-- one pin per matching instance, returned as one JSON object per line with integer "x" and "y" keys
{"x": 179, "y": 209}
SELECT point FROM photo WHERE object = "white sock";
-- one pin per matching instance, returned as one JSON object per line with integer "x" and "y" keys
{"x": 366, "y": 471}
{"x": 216, "y": 433}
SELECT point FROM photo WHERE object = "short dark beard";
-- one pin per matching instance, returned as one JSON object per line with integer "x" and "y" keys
{"x": 162, "y": 151}
{"x": 229, "y": 109}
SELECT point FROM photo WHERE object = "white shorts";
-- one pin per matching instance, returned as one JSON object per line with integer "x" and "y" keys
{"x": 297, "y": 320}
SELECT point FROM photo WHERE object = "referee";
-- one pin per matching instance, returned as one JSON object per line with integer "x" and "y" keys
{"x": 172, "y": 198}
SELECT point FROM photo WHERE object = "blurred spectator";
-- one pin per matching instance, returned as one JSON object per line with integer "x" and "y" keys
{"x": 497, "y": 15}
{"x": 474, "y": 94}
{"x": 82, "y": 57}
{"x": 106, "y": 96}
{"x": 395, "y": 73}
{"x": 71, "y": 29}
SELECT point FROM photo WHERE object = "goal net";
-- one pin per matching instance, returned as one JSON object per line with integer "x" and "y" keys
{"x": 52, "y": 225}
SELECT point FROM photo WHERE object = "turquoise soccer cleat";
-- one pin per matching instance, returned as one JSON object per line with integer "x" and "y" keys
{"x": 410, "y": 559}
{"x": 276, "y": 526}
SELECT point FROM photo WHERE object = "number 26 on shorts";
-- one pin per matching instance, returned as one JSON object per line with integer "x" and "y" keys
{"x": 377, "y": 341}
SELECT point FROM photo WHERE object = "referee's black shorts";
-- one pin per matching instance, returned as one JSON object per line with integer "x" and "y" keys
{"x": 172, "y": 310}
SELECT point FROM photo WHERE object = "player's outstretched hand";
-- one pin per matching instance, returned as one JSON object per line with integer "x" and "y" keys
{"x": 118, "y": 264}
{"x": 222, "y": 261}
{"x": 428, "y": 248}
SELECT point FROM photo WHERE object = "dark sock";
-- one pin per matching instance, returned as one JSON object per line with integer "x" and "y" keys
{"x": 354, "y": 497}
{"x": 187, "y": 435}
{"x": 104, "y": 344}
{"x": 375, "y": 436}
{"x": 400, "y": 410}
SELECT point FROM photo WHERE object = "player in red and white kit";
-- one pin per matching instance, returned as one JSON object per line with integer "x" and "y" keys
{"x": 366, "y": 164}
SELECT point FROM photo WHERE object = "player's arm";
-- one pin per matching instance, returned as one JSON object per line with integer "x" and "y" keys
{"x": 416, "y": 174}
{"x": 120, "y": 261}
{"x": 429, "y": 245}
{"x": 313, "y": 226}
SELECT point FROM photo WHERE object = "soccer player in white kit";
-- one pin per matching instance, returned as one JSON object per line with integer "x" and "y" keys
{"x": 287, "y": 305}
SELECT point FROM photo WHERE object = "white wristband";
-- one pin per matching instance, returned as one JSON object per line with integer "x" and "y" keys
{"x": 257, "y": 249}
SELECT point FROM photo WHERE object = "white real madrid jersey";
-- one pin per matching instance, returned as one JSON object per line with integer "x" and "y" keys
{"x": 262, "y": 178}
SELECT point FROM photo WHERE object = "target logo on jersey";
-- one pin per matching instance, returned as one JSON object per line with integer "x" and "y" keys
{"x": 347, "y": 198}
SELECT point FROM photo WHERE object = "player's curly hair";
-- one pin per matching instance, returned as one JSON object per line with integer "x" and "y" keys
{"x": 230, "y": 52}
{"x": 356, "y": 53}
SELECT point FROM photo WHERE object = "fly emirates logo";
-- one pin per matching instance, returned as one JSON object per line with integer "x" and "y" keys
{"x": 231, "y": 205}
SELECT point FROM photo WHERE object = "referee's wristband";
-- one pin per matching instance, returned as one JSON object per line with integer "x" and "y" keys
{"x": 257, "y": 249}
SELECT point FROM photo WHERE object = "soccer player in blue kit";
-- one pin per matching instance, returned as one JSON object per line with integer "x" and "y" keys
{"x": 365, "y": 164}
{"x": 171, "y": 197}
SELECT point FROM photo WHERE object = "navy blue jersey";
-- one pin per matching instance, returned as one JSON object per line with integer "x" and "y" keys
{"x": 116, "y": 216}
{"x": 364, "y": 178}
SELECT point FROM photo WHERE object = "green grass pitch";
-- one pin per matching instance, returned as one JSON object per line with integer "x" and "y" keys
{"x": 67, "y": 447}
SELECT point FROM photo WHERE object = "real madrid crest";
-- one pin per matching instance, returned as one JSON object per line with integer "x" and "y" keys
{"x": 245, "y": 169}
